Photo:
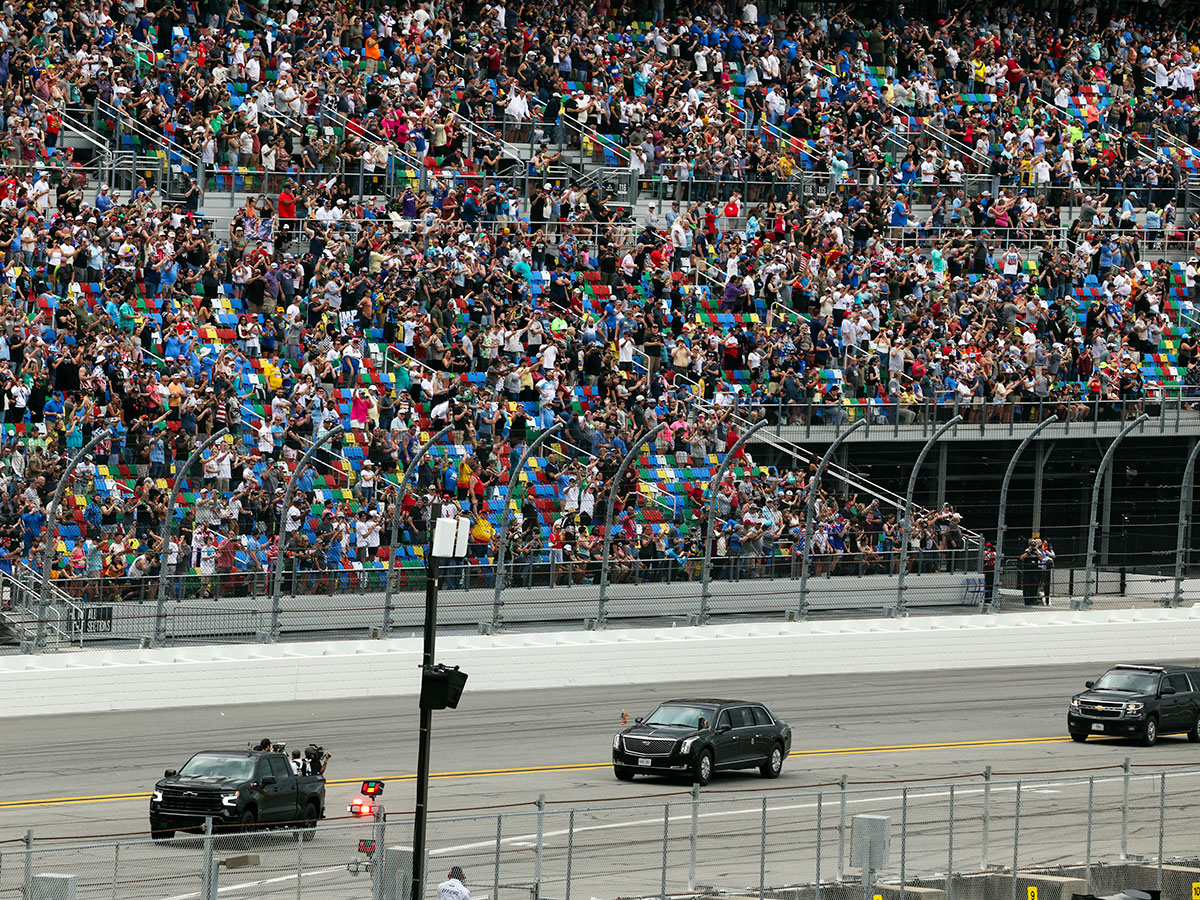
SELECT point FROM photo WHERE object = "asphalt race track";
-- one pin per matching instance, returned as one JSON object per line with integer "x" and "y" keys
{"x": 89, "y": 775}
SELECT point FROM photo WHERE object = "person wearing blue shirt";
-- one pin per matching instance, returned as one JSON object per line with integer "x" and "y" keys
{"x": 899, "y": 212}
{"x": 32, "y": 523}
{"x": 104, "y": 202}
{"x": 91, "y": 514}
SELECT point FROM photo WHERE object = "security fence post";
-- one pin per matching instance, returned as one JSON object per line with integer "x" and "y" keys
{"x": 1105, "y": 462}
{"x": 570, "y": 850}
{"x": 168, "y": 526}
{"x": 379, "y": 833}
{"x": 715, "y": 489}
{"x": 27, "y": 890}
{"x": 207, "y": 860}
{"x": 541, "y": 834}
{"x": 514, "y": 478}
{"x": 820, "y": 811}
{"x": 1087, "y": 865}
{"x": 692, "y": 838}
{"x": 409, "y": 471}
{"x": 1185, "y": 515}
{"x": 116, "y": 879}
{"x": 1016, "y": 841}
{"x": 496, "y": 861}
{"x": 1125, "y": 810}
{"x": 903, "y": 838}
{"x": 987, "y": 818}
{"x": 602, "y": 610}
{"x": 841, "y": 828}
{"x": 906, "y": 525}
{"x": 762, "y": 851}
{"x": 300, "y": 864}
{"x": 49, "y": 542}
{"x": 272, "y": 634}
{"x": 950, "y": 849}
{"x": 1002, "y": 516}
{"x": 662, "y": 893}
{"x": 1162, "y": 822}
{"x": 814, "y": 485}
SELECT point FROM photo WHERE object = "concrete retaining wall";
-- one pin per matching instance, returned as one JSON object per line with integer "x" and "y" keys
{"x": 93, "y": 680}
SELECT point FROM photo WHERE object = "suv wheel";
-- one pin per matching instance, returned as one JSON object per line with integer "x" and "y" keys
{"x": 160, "y": 835}
{"x": 702, "y": 773}
{"x": 1194, "y": 734}
{"x": 773, "y": 764}
{"x": 1150, "y": 735}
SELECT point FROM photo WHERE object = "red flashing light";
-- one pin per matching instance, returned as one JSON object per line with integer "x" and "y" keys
{"x": 362, "y": 808}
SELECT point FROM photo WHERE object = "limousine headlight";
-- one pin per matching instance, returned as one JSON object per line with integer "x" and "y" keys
{"x": 688, "y": 743}
{"x": 617, "y": 741}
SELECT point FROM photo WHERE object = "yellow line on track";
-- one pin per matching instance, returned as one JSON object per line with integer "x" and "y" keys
{"x": 569, "y": 767}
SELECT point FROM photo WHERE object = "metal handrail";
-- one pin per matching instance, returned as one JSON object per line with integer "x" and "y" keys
{"x": 123, "y": 117}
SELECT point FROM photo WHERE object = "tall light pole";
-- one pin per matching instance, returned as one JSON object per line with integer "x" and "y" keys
{"x": 514, "y": 478}
{"x": 48, "y": 540}
{"x": 160, "y": 625}
{"x": 440, "y": 687}
{"x": 715, "y": 485}
{"x": 906, "y": 525}
{"x": 409, "y": 471}
{"x": 1105, "y": 462}
{"x": 281, "y": 544}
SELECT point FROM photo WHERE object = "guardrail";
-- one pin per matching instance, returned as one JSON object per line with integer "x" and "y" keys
{"x": 1104, "y": 827}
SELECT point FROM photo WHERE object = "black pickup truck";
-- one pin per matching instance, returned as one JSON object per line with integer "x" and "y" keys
{"x": 241, "y": 790}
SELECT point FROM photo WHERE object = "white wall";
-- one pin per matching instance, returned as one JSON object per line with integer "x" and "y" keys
{"x": 88, "y": 681}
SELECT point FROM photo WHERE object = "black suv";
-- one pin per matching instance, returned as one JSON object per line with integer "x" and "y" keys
{"x": 698, "y": 737}
{"x": 1138, "y": 701}
{"x": 241, "y": 790}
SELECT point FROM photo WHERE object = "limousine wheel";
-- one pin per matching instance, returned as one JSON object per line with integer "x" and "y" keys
{"x": 1078, "y": 737}
{"x": 1194, "y": 734}
{"x": 773, "y": 764}
{"x": 702, "y": 774}
{"x": 623, "y": 774}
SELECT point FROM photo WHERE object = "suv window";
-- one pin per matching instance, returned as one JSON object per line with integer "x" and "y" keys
{"x": 1179, "y": 682}
{"x": 279, "y": 768}
{"x": 761, "y": 717}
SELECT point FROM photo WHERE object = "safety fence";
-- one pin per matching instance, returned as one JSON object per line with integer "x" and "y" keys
{"x": 729, "y": 837}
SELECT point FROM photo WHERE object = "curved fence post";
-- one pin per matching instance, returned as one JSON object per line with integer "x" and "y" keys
{"x": 514, "y": 478}
{"x": 813, "y": 486}
{"x": 409, "y": 471}
{"x": 1002, "y": 516}
{"x": 906, "y": 525}
{"x": 49, "y": 540}
{"x": 715, "y": 485}
{"x": 602, "y": 610}
{"x": 168, "y": 526}
{"x": 1105, "y": 462}
{"x": 281, "y": 544}
{"x": 1185, "y": 513}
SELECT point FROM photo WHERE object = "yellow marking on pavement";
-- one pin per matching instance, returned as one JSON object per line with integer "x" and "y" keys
{"x": 568, "y": 767}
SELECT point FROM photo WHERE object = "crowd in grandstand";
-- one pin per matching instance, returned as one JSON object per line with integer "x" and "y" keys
{"x": 999, "y": 230}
